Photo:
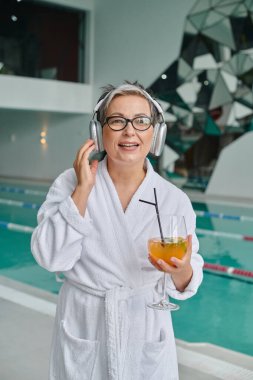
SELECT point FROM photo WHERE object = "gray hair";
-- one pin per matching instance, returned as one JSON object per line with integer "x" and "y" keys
{"x": 127, "y": 88}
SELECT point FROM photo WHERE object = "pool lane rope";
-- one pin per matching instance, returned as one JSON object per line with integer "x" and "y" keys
{"x": 201, "y": 214}
{"x": 239, "y": 218}
{"x": 230, "y": 271}
{"x": 10, "y": 202}
{"x": 199, "y": 231}
{"x": 214, "y": 268}
{"x": 18, "y": 190}
{"x": 16, "y": 227}
{"x": 228, "y": 235}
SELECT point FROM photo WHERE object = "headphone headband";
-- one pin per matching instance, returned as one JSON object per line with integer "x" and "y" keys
{"x": 98, "y": 105}
{"x": 126, "y": 86}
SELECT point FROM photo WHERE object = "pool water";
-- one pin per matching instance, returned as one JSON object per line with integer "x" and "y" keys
{"x": 220, "y": 313}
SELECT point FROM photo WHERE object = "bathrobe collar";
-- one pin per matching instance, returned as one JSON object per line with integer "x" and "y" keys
{"x": 129, "y": 223}
{"x": 137, "y": 195}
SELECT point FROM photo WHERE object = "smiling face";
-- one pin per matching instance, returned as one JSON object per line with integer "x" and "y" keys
{"x": 128, "y": 146}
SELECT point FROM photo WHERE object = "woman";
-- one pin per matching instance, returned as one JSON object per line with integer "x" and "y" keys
{"x": 93, "y": 228}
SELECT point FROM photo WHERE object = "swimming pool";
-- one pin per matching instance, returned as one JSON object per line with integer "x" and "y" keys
{"x": 221, "y": 312}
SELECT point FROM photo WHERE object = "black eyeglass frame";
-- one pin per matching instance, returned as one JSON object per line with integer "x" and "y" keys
{"x": 127, "y": 121}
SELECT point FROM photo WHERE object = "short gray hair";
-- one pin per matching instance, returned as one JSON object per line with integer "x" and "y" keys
{"x": 127, "y": 88}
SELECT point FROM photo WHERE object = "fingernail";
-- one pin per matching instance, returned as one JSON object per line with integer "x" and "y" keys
{"x": 159, "y": 262}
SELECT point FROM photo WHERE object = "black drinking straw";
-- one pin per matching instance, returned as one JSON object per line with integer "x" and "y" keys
{"x": 157, "y": 212}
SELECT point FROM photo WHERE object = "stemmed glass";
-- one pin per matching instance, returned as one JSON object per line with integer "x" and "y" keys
{"x": 168, "y": 239}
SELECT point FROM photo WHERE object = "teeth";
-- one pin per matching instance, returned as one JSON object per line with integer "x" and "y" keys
{"x": 128, "y": 145}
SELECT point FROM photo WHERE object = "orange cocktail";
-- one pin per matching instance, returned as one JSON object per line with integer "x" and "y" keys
{"x": 170, "y": 247}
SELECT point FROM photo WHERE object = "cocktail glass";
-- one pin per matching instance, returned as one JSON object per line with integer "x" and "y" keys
{"x": 173, "y": 243}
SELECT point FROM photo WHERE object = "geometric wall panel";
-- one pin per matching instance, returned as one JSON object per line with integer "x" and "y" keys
{"x": 208, "y": 89}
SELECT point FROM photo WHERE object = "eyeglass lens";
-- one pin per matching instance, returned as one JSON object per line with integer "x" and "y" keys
{"x": 140, "y": 123}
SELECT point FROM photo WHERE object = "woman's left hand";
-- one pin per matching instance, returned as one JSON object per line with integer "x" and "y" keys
{"x": 181, "y": 271}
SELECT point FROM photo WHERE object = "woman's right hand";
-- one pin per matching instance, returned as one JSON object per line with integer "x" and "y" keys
{"x": 85, "y": 172}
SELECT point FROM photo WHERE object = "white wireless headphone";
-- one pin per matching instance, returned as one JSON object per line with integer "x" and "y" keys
{"x": 160, "y": 129}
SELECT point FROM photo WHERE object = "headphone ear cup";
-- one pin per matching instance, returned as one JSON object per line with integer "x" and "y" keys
{"x": 159, "y": 136}
{"x": 96, "y": 134}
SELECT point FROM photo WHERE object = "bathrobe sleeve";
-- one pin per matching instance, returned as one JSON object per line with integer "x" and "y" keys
{"x": 196, "y": 259}
{"x": 56, "y": 242}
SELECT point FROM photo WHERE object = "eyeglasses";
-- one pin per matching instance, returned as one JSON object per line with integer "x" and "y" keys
{"x": 117, "y": 123}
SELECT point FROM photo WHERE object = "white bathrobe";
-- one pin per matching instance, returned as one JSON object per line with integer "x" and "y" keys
{"x": 103, "y": 327}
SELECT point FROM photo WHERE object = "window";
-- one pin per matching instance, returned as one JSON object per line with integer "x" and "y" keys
{"x": 41, "y": 40}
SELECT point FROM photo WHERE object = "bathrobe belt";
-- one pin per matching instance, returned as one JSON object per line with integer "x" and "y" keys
{"x": 116, "y": 353}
